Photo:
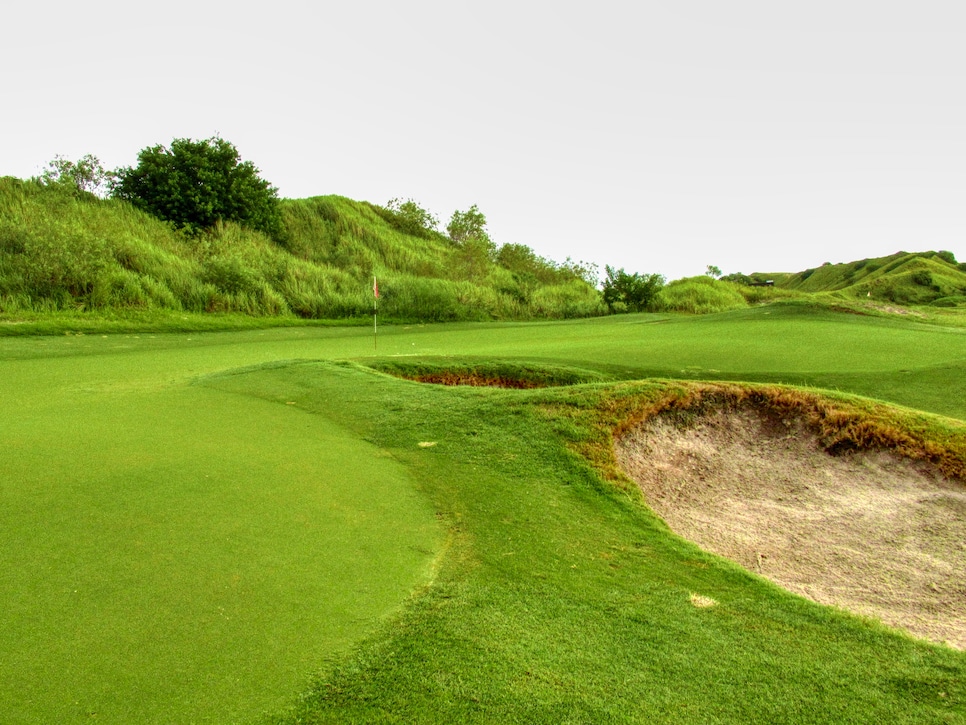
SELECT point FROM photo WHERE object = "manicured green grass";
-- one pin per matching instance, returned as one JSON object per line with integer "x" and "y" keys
{"x": 564, "y": 600}
{"x": 191, "y": 526}
{"x": 790, "y": 344}
{"x": 175, "y": 554}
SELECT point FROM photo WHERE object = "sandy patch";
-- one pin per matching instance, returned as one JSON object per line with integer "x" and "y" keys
{"x": 878, "y": 535}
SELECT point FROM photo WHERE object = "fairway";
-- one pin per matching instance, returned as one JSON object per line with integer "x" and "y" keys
{"x": 195, "y": 525}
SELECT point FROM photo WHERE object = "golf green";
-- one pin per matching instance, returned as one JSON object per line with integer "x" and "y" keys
{"x": 172, "y": 553}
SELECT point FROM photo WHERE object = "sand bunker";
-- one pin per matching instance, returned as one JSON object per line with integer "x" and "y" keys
{"x": 878, "y": 535}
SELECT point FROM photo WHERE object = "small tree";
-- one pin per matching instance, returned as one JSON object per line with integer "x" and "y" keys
{"x": 410, "y": 217}
{"x": 468, "y": 230}
{"x": 589, "y": 272}
{"x": 466, "y": 225}
{"x": 87, "y": 174}
{"x": 713, "y": 271}
{"x": 625, "y": 292}
{"x": 196, "y": 184}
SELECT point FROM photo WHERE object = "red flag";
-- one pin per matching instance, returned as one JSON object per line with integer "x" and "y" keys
{"x": 375, "y": 288}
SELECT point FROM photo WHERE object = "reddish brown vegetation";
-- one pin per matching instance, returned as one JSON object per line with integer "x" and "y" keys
{"x": 841, "y": 426}
{"x": 474, "y": 379}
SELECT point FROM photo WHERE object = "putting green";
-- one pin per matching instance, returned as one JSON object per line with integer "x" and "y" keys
{"x": 174, "y": 553}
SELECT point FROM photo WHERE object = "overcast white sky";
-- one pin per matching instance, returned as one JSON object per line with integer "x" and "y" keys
{"x": 655, "y": 136}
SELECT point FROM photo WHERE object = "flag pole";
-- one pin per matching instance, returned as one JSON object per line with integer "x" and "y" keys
{"x": 375, "y": 312}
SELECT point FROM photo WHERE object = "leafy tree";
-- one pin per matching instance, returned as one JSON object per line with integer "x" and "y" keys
{"x": 410, "y": 217}
{"x": 587, "y": 271}
{"x": 738, "y": 278}
{"x": 523, "y": 262}
{"x": 713, "y": 271}
{"x": 520, "y": 258}
{"x": 467, "y": 225}
{"x": 475, "y": 255}
{"x": 87, "y": 174}
{"x": 196, "y": 184}
{"x": 624, "y": 292}
{"x": 468, "y": 230}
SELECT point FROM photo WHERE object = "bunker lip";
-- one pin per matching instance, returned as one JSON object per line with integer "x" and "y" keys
{"x": 867, "y": 530}
{"x": 491, "y": 373}
{"x": 474, "y": 380}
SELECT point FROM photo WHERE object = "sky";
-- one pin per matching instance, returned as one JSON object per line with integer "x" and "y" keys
{"x": 658, "y": 137}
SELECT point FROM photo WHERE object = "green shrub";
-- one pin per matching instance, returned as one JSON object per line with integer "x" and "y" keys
{"x": 624, "y": 292}
{"x": 922, "y": 277}
{"x": 409, "y": 217}
{"x": 196, "y": 184}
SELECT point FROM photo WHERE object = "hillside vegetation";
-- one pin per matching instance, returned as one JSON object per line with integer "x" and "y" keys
{"x": 61, "y": 249}
{"x": 923, "y": 278}
{"x": 65, "y": 249}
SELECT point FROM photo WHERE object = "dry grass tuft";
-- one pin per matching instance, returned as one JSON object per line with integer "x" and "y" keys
{"x": 841, "y": 424}
{"x": 476, "y": 380}
{"x": 702, "y": 602}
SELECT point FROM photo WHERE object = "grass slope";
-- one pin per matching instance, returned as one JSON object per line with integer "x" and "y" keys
{"x": 64, "y": 252}
{"x": 562, "y": 600}
{"x": 902, "y": 278}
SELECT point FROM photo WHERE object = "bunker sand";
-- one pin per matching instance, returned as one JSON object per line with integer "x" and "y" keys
{"x": 878, "y": 535}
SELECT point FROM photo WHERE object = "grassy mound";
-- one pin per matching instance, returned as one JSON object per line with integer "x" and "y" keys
{"x": 699, "y": 295}
{"x": 483, "y": 372}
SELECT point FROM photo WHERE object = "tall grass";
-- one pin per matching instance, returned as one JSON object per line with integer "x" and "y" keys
{"x": 699, "y": 295}
{"x": 61, "y": 250}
